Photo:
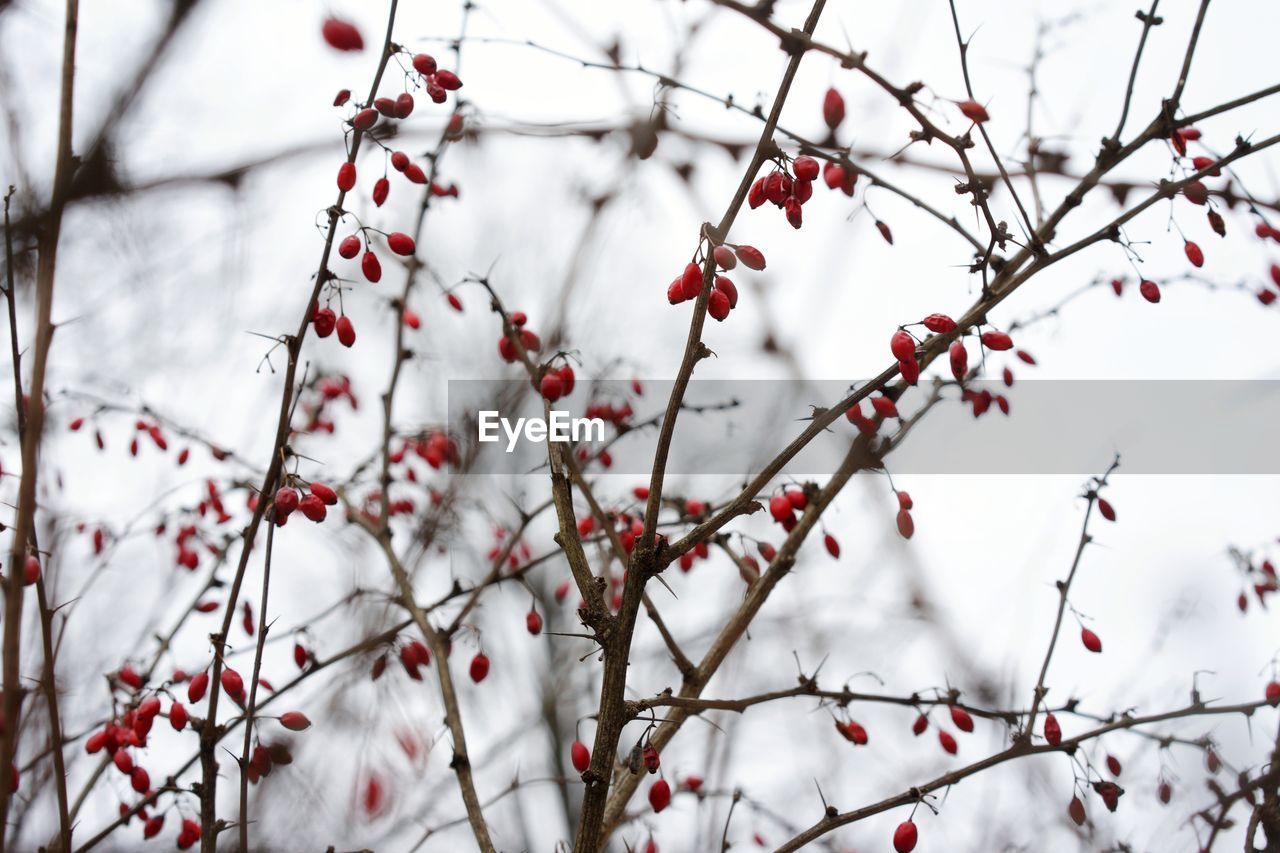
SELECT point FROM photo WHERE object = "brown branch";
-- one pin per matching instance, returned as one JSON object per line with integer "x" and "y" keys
{"x": 251, "y": 708}
{"x": 34, "y": 422}
{"x": 1019, "y": 750}
{"x": 590, "y": 834}
{"x": 1064, "y": 589}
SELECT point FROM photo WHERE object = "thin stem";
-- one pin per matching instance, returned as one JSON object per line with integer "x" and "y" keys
{"x": 47, "y": 264}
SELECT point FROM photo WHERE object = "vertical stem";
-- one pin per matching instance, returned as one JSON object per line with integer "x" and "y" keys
{"x": 251, "y": 708}
{"x": 611, "y": 716}
{"x": 48, "y": 247}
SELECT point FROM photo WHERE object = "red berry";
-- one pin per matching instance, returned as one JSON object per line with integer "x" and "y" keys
{"x": 691, "y": 281}
{"x": 30, "y": 570}
{"x": 178, "y": 716}
{"x": 724, "y": 257}
{"x": 905, "y": 837}
{"x": 286, "y": 500}
{"x": 580, "y": 756}
{"x": 342, "y": 97}
{"x": 448, "y": 81}
{"x": 196, "y": 689}
{"x": 370, "y": 266}
{"x": 1052, "y": 731}
{"x": 998, "y": 341}
{"x": 1090, "y": 640}
{"x": 1273, "y": 692}
{"x": 1196, "y": 192}
{"x": 324, "y": 493}
{"x": 1106, "y": 509}
{"x": 959, "y": 360}
{"x": 974, "y": 111}
{"x": 939, "y": 324}
{"x": 479, "y": 667}
{"x": 551, "y": 387}
{"x": 833, "y": 109}
{"x": 885, "y": 232}
{"x": 718, "y": 305}
{"x": 415, "y": 174}
{"x": 1150, "y": 291}
{"x": 962, "y": 719}
{"x": 404, "y": 105}
{"x": 341, "y": 35}
{"x": 1194, "y": 254}
{"x": 567, "y": 380}
{"x": 533, "y": 622}
{"x": 1076, "y": 811}
{"x": 365, "y": 119}
{"x": 424, "y": 64}
{"x": 910, "y": 370}
{"x": 346, "y": 176}
{"x": 780, "y": 508}
{"x": 906, "y": 526}
{"x": 1201, "y": 163}
{"x": 349, "y": 247}
{"x": 884, "y": 407}
{"x": 833, "y": 547}
{"x": 805, "y": 168}
{"x": 726, "y": 286}
{"x": 921, "y": 723}
{"x": 232, "y": 683}
{"x": 295, "y": 721}
{"x": 660, "y": 795}
{"x": 381, "y": 188}
{"x": 346, "y": 331}
{"x": 324, "y": 320}
{"x": 400, "y": 243}
{"x": 751, "y": 257}
{"x": 902, "y": 345}
{"x": 313, "y": 508}
{"x": 1113, "y": 765}
{"x": 947, "y": 741}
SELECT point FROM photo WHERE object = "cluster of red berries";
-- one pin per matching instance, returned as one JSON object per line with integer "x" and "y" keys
{"x": 414, "y": 655}
{"x": 326, "y": 322}
{"x": 724, "y": 294}
{"x": 313, "y": 506}
{"x": 1264, "y": 581}
{"x": 786, "y": 191}
{"x": 1265, "y": 296}
{"x": 556, "y": 383}
{"x": 265, "y": 757}
{"x": 610, "y": 413}
{"x": 321, "y": 394}
{"x": 960, "y": 718}
{"x": 784, "y": 506}
{"x": 435, "y": 448}
{"x": 529, "y": 340}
